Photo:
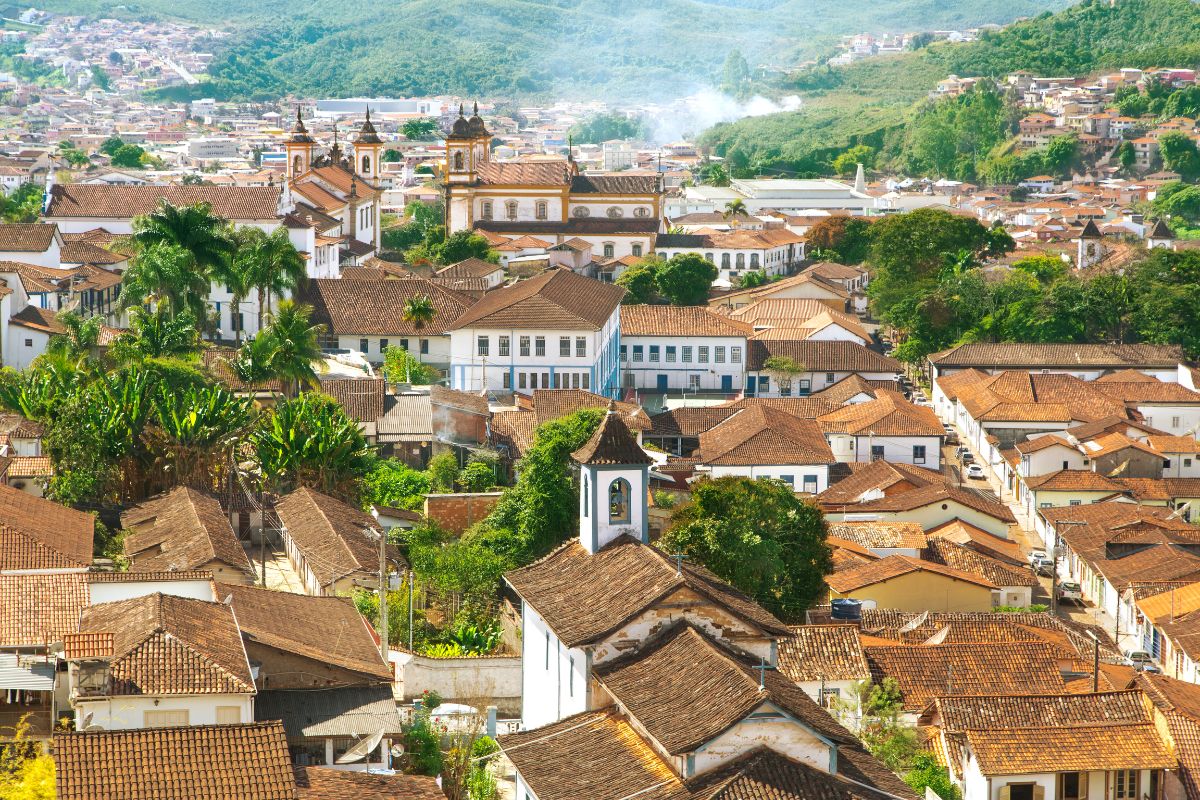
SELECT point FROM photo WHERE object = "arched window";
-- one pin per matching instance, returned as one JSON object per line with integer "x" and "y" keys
{"x": 458, "y": 161}
{"x": 542, "y": 209}
{"x": 636, "y": 250}
{"x": 741, "y": 260}
{"x": 296, "y": 162}
{"x": 609, "y": 250}
{"x": 725, "y": 260}
{"x": 754, "y": 261}
{"x": 618, "y": 502}
{"x": 511, "y": 209}
{"x": 485, "y": 209}
{"x": 366, "y": 165}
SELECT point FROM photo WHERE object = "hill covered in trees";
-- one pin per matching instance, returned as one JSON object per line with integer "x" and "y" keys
{"x": 582, "y": 48}
{"x": 881, "y": 103}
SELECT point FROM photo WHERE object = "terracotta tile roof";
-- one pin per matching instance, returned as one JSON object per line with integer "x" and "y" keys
{"x": 1105, "y": 424}
{"x": 377, "y": 307}
{"x": 647, "y": 320}
{"x": 332, "y": 536}
{"x": 992, "y": 570}
{"x": 30, "y": 467}
{"x": 514, "y": 429}
{"x": 878, "y": 476}
{"x": 82, "y": 252}
{"x": 200, "y": 762}
{"x": 38, "y": 534}
{"x": 713, "y": 689}
{"x": 831, "y": 270}
{"x": 1042, "y": 442}
{"x": 1101, "y": 748}
{"x": 361, "y": 398}
{"x": 1127, "y": 542}
{"x": 37, "y": 608}
{"x": 688, "y": 421}
{"x": 1051, "y": 397}
{"x": 977, "y": 539}
{"x": 887, "y": 415}
{"x": 1169, "y": 694}
{"x": 764, "y": 774}
{"x": 924, "y": 672}
{"x": 165, "y": 644}
{"x": 330, "y": 783}
{"x": 955, "y": 381}
{"x": 893, "y": 566}
{"x": 1173, "y": 602}
{"x": 470, "y": 268}
{"x": 906, "y": 535}
{"x": 803, "y": 407}
{"x": 819, "y": 356}
{"x": 552, "y": 404}
{"x": 623, "y": 579}
{"x": 1154, "y": 392}
{"x": 127, "y": 201}
{"x": 38, "y": 319}
{"x": 835, "y": 290}
{"x": 1174, "y": 444}
{"x": 841, "y": 392}
{"x": 1070, "y": 356}
{"x": 934, "y": 493}
{"x": 555, "y": 299}
{"x": 1006, "y": 711}
{"x": 1072, "y": 480}
{"x": 755, "y": 436}
{"x": 138, "y": 577}
{"x": 555, "y": 172}
{"x": 84, "y": 646}
{"x": 26, "y": 237}
{"x": 612, "y": 443}
{"x": 823, "y": 652}
{"x": 614, "y": 184}
{"x": 596, "y": 754}
{"x": 182, "y": 529}
{"x": 325, "y": 629}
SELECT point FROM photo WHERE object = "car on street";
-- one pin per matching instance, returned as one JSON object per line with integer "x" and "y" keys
{"x": 1044, "y": 568}
{"x": 966, "y": 458}
{"x": 951, "y": 434}
{"x": 1069, "y": 590}
{"x": 1036, "y": 556}
{"x": 975, "y": 471}
{"x": 1140, "y": 660}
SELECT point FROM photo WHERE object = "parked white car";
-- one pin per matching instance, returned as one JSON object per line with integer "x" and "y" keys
{"x": 975, "y": 471}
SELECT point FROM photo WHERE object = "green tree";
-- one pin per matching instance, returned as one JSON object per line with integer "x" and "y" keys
{"x": 477, "y": 476}
{"x": 735, "y": 74}
{"x": 129, "y": 156}
{"x": 604, "y": 127}
{"x": 541, "y": 509}
{"x": 293, "y": 347}
{"x": 239, "y": 270}
{"x": 81, "y": 337}
{"x": 1126, "y": 156}
{"x": 419, "y": 311}
{"x": 685, "y": 278}
{"x": 394, "y": 483}
{"x": 391, "y": 155}
{"x": 26, "y": 772}
{"x": 735, "y": 208}
{"x": 419, "y": 129}
{"x": 454, "y": 248}
{"x": 715, "y": 174}
{"x": 847, "y": 163}
{"x": 157, "y": 334}
{"x": 401, "y": 366}
{"x": 273, "y": 266}
{"x": 310, "y": 441}
{"x": 111, "y": 145}
{"x": 443, "y": 472}
{"x": 194, "y": 228}
{"x": 197, "y": 433}
{"x": 757, "y": 535}
{"x": 927, "y": 773}
{"x": 164, "y": 274}
{"x": 846, "y": 240}
{"x": 640, "y": 280}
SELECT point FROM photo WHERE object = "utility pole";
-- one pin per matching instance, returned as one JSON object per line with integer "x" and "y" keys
{"x": 383, "y": 604}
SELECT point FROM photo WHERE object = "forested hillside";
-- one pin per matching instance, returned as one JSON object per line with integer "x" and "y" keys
{"x": 881, "y": 103}
{"x": 583, "y": 48}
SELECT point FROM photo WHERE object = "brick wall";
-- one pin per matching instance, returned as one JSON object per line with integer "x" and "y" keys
{"x": 457, "y": 512}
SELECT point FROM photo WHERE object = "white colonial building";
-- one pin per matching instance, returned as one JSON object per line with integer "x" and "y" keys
{"x": 681, "y": 349}
{"x": 559, "y": 330}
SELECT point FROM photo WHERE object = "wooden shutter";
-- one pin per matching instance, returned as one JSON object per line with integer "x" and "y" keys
{"x": 1039, "y": 792}
{"x": 1005, "y": 792}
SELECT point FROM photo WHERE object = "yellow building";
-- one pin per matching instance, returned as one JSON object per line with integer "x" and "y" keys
{"x": 910, "y": 584}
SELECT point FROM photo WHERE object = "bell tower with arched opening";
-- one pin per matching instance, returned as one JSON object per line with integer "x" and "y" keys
{"x": 299, "y": 147}
{"x": 614, "y": 474}
{"x": 368, "y": 150}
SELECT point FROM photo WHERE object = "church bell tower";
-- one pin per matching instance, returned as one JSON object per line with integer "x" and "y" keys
{"x": 614, "y": 475}
{"x": 368, "y": 150}
{"x": 299, "y": 149}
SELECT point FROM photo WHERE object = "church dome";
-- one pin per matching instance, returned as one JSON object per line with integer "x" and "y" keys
{"x": 476, "y": 128}
{"x": 461, "y": 127}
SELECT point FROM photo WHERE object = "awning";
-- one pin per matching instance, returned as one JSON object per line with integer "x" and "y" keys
{"x": 32, "y": 676}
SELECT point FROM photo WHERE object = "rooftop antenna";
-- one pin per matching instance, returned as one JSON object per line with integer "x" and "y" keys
{"x": 679, "y": 557}
{"x": 762, "y": 668}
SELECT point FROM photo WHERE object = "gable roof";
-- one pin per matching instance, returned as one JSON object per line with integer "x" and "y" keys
{"x": 1099, "y": 748}
{"x": 331, "y": 783}
{"x": 40, "y": 534}
{"x": 342, "y": 711}
{"x": 163, "y": 644}
{"x": 1070, "y": 356}
{"x": 325, "y": 629}
{"x": 26, "y": 237}
{"x": 200, "y": 762}
{"x": 621, "y": 580}
{"x": 127, "y": 201}
{"x": 611, "y": 443}
{"x": 555, "y": 299}
{"x": 893, "y": 566}
{"x": 182, "y": 529}
{"x": 377, "y": 306}
{"x": 755, "y": 436}
{"x": 1009, "y": 711}
{"x": 878, "y": 476}
{"x": 936, "y": 493}
{"x": 712, "y": 689}
{"x": 331, "y": 535}
{"x": 880, "y": 534}
{"x": 648, "y": 320}
{"x": 889, "y": 414}
{"x": 993, "y": 570}
{"x": 818, "y": 356}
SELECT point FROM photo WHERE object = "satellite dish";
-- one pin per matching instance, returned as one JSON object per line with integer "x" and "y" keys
{"x": 938, "y": 637}
{"x": 397, "y": 751}
{"x": 93, "y": 728}
{"x": 362, "y": 749}
{"x": 87, "y": 719}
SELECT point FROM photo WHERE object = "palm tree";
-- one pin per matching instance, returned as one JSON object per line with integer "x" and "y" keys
{"x": 79, "y": 339}
{"x": 419, "y": 311}
{"x": 293, "y": 347}
{"x": 275, "y": 266}
{"x": 194, "y": 228}
{"x": 165, "y": 274}
{"x": 157, "y": 334}
{"x": 735, "y": 208}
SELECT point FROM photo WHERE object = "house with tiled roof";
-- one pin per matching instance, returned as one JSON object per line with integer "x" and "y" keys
{"x": 931, "y": 505}
{"x": 332, "y": 545}
{"x": 824, "y": 660}
{"x": 40, "y": 534}
{"x": 786, "y": 367}
{"x": 156, "y": 661}
{"x": 913, "y": 584}
{"x": 1007, "y": 747}
{"x": 558, "y": 330}
{"x": 681, "y": 349}
{"x": 887, "y": 427}
{"x": 757, "y": 442}
{"x": 368, "y": 316}
{"x": 184, "y": 529}
{"x": 770, "y": 252}
{"x": 805, "y": 286}
{"x": 1084, "y": 361}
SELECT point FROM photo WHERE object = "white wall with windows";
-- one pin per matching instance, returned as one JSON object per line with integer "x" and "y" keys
{"x": 761, "y": 383}
{"x": 432, "y": 350}
{"x": 675, "y": 364}
{"x": 554, "y": 677}
{"x": 924, "y": 451}
{"x": 810, "y": 478}
{"x": 733, "y": 263}
{"x": 133, "y": 712}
